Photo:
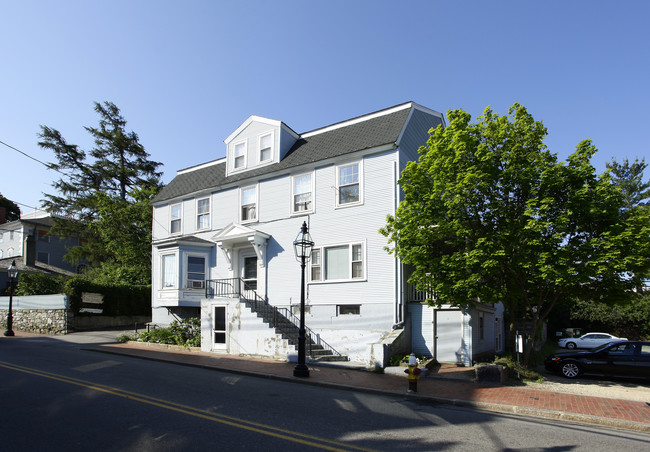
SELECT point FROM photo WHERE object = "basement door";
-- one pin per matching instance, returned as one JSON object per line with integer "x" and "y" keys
{"x": 219, "y": 328}
{"x": 448, "y": 335}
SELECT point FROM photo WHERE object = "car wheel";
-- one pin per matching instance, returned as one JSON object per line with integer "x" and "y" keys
{"x": 570, "y": 345}
{"x": 570, "y": 369}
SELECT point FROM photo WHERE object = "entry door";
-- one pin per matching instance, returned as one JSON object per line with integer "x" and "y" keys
{"x": 219, "y": 328}
{"x": 248, "y": 270}
{"x": 448, "y": 330}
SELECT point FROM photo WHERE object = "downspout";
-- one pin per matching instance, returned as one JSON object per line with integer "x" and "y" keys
{"x": 398, "y": 315}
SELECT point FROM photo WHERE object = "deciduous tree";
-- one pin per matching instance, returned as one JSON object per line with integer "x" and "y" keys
{"x": 490, "y": 215}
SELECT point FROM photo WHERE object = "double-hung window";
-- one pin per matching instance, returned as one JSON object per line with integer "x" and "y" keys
{"x": 248, "y": 202}
{"x": 175, "y": 222}
{"x": 239, "y": 156}
{"x": 203, "y": 213}
{"x": 302, "y": 193}
{"x": 348, "y": 184}
{"x": 169, "y": 271}
{"x": 338, "y": 263}
{"x": 195, "y": 272}
{"x": 266, "y": 147}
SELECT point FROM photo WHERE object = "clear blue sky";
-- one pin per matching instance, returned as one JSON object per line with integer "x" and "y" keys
{"x": 187, "y": 73}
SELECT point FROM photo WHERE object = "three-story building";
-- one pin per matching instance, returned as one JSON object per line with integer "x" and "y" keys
{"x": 223, "y": 237}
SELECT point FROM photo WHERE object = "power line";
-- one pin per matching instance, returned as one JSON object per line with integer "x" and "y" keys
{"x": 33, "y": 158}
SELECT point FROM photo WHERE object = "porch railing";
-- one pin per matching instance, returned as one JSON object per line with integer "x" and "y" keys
{"x": 276, "y": 317}
{"x": 414, "y": 295}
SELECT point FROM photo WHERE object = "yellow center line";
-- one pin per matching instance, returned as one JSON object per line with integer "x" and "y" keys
{"x": 308, "y": 440}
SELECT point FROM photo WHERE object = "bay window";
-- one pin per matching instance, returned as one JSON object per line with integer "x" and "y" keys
{"x": 195, "y": 272}
{"x": 169, "y": 271}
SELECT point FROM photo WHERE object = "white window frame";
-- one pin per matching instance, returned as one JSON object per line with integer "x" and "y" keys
{"x": 163, "y": 269}
{"x": 270, "y": 148}
{"x": 256, "y": 204}
{"x": 186, "y": 273}
{"x": 236, "y": 156}
{"x": 319, "y": 264}
{"x": 359, "y": 183}
{"x": 344, "y": 307}
{"x": 172, "y": 219}
{"x": 294, "y": 194}
{"x": 200, "y": 215}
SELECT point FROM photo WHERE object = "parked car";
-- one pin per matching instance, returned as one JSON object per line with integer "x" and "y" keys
{"x": 621, "y": 358}
{"x": 589, "y": 340}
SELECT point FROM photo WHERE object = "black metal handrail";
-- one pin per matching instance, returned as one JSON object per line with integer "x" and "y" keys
{"x": 238, "y": 288}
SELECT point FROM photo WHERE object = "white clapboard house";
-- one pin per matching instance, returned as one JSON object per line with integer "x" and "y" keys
{"x": 223, "y": 237}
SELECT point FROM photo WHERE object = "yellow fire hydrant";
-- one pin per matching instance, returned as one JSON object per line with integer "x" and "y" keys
{"x": 413, "y": 373}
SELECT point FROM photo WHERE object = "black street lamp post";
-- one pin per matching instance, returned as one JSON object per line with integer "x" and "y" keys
{"x": 13, "y": 272}
{"x": 302, "y": 247}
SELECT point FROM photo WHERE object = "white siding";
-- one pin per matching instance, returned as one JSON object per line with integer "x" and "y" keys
{"x": 421, "y": 329}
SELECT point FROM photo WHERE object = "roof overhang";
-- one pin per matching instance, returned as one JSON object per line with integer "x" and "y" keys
{"x": 237, "y": 235}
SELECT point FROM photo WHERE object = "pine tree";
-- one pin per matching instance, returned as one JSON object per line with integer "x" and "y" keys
{"x": 114, "y": 169}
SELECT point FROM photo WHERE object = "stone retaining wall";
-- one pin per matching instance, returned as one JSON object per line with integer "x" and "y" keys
{"x": 41, "y": 321}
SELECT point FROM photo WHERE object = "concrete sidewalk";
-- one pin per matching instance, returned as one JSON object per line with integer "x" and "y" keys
{"x": 451, "y": 385}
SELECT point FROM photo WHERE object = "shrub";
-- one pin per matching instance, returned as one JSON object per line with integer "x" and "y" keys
{"x": 186, "y": 333}
{"x": 518, "y": 370}
{"x": 125, "y": 338}
{"x": 39, "y": 284}
{"x": 158, "y": 336}
{"x": 399, "y": 359}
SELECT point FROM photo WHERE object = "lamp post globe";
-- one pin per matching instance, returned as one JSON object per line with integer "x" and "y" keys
{"x": 302, "y": 247}
{"x": 12, "y": 271}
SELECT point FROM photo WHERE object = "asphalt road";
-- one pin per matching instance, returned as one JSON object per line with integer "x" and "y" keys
{"x": 56, "y": 396}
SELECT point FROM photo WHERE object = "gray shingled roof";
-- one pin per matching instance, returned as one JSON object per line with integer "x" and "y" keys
{"x": 341, "y": 141}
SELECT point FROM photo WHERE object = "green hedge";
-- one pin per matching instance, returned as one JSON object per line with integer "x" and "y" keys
{"x": 39, "y": 284}
{"x": 118, "y": 300}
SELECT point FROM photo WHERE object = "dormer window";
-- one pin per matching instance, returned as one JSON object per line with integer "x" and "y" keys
{"x": 266, "y": 147}
{"x": 240, "y": 155}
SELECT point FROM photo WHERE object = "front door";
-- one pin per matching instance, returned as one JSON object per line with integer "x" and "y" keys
{"x": 248, "y": 270}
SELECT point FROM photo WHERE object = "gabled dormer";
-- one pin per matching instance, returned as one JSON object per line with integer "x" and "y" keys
{"x": 256, "y": 143}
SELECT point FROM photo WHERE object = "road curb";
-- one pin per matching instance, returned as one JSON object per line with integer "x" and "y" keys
{"x": 493, "y": 407}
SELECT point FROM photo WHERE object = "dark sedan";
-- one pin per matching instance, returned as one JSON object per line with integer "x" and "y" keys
{"x": 620, "y": 358}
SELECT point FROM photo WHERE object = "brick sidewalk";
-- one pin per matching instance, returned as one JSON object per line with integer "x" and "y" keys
{"x": 440, "y": 388}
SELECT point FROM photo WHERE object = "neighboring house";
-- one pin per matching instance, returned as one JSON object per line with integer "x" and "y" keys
{"x": 27, "y": 241}
{"x": 223, "y": 237}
